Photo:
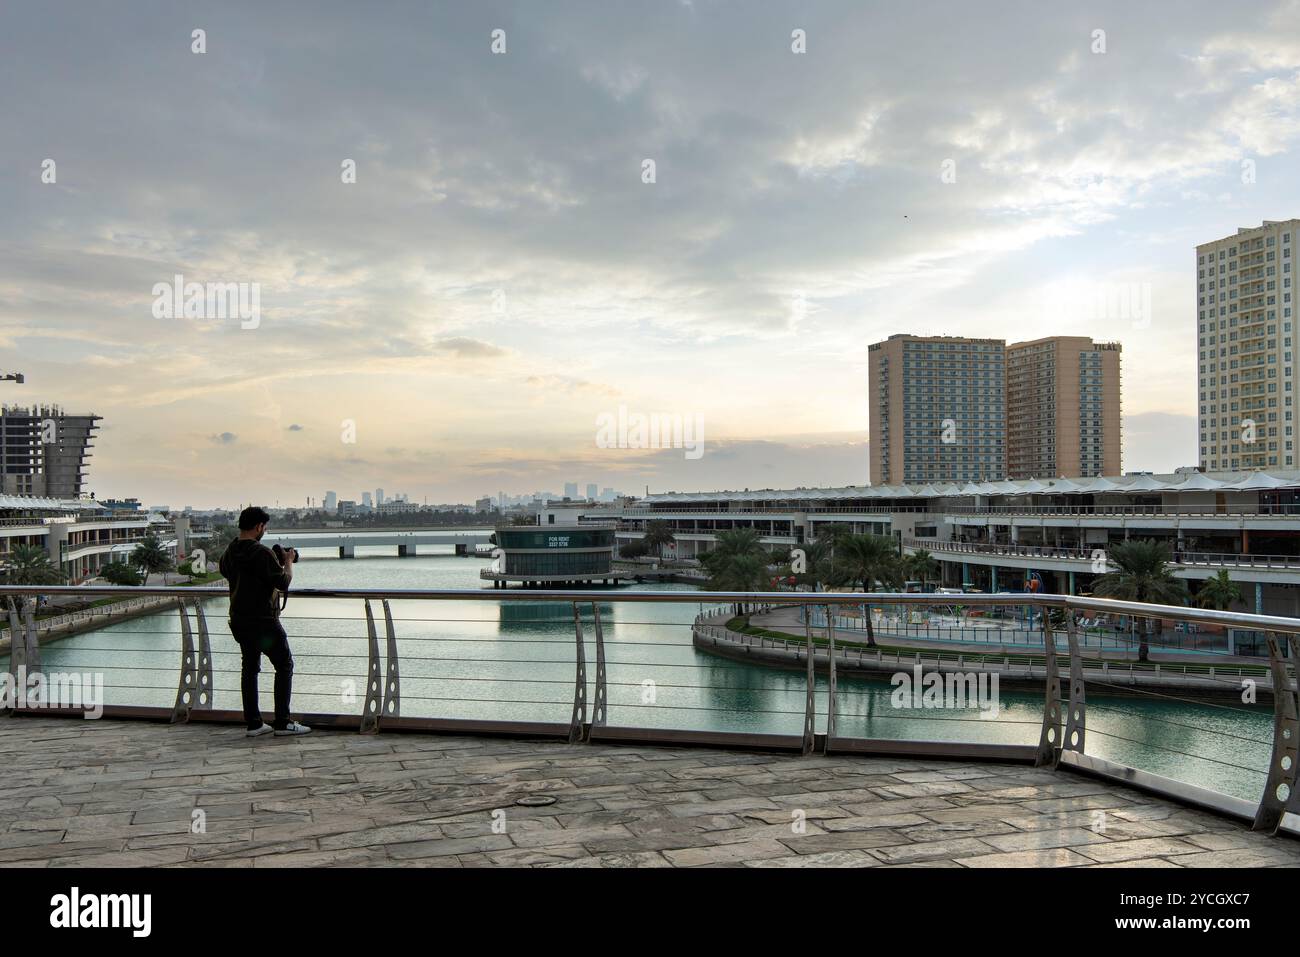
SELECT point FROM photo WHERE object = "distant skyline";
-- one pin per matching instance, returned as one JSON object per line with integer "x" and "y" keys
{"x": 500, "y": 275}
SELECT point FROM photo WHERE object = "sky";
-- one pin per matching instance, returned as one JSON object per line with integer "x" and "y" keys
{"x": 507, "y": 271}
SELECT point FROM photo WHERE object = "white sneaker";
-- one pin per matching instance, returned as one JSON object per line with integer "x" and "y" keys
{"x": 258, "y": 732}
{"x": 293, "y": 727}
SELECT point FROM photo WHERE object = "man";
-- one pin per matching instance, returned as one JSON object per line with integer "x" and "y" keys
{"x": 257, "y": 579}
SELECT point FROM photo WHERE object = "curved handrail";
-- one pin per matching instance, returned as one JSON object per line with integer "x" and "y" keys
{"x": 1063, "y": 602}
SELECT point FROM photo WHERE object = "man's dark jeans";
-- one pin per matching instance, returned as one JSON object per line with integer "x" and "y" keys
{"x": 257, "y": 637}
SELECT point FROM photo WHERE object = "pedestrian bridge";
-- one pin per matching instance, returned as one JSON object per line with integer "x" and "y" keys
{"x": 404, "y": 543}
{"x": 121, "y": 793}
{"x": 450, "y": 743}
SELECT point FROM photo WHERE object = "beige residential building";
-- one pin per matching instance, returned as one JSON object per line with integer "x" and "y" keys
{"x": 1063, "y": 408}
{"x": 1246, "y": 381}
{"x": 937, "y": 409}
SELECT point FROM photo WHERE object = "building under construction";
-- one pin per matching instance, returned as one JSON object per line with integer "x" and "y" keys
{"x": 44, "y": 450}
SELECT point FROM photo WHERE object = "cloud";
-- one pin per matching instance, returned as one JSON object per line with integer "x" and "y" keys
{"x": 570, "y": 385}
{"x": 781, "y": 178}
{"x": 463, "y": 347}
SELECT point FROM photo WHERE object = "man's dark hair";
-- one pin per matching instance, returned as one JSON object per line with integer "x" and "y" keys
{"x": 252, "y": 517}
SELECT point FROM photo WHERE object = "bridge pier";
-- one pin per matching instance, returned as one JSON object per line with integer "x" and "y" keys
{"x": 406, "y": 551}
{"x": 347, "y": 551}
{"x": 462, "y": 548}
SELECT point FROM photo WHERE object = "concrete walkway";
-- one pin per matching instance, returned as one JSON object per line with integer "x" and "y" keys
{"x": 120, "y": 793}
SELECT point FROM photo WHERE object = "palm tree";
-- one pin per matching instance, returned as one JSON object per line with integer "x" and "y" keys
{"x": 215, "y": 545}
{"x": 30, "y": 565}
{"x": 634, "y": 548}
{"x": 816, "y": 563}
{"x": 657, "y": 535}
{"x": 869, "y": 559}
{"x": 1142, "y": 574}
{"x": 733, "y": 543}
{"x": 1219, "y": 592}
{"x": 150, "y": 556}
{"x": 120, "y": 573}
{"x": 737, "y": 562}
{"x": 744, "y": 573}
{"x": 922, "y": 565}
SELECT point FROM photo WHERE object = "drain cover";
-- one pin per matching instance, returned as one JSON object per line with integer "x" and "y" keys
{"x": 535, "y": 800}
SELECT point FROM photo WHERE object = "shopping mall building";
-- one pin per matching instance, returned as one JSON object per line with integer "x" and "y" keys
{"x": 991, "y": 536}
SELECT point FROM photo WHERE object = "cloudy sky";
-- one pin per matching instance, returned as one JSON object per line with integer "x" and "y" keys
{"x": 500, "y": 274}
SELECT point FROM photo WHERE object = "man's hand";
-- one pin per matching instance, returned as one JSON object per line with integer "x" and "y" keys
{"x": 286, "y": 564}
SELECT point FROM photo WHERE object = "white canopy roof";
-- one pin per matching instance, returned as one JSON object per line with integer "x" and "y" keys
{"x": 1004, "y": 488}
{"x": 1199, "y": 481}
{"x": 33, "y": 503}
{"x": 1102, "y": 484}
{"x": 1064, "y": 486}
{"x": 1257, "y": 480}
{"x": 1148, "y": 483}
{"x": 900, "y": 491}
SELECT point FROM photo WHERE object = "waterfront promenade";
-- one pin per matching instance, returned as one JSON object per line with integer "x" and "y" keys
{"x": 132, "y": 793}
{"x": 990, "y": 639}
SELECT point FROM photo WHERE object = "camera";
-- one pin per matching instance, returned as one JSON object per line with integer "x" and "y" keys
{"x": 282, "y": 552}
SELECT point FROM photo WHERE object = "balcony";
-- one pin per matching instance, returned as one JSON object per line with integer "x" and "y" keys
{"x": 1088, "y": 554}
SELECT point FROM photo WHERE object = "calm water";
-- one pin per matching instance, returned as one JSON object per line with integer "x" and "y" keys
{"x": 479, "y": 659}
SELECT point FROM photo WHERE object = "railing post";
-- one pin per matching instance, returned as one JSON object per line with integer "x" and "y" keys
{"x": 393, "y": 684}
{"x": 374, "y": 678}
{"x": 203, "y": 662}
{"x": 187, "y": 686}
{"x": 1076, "y": 722}
{"x": 17, "y": 654}
{"x": 579, "y": 717}
{"x": 598, "y": 714}
{"x": 1049, "y": 739}
{"x": 1280, "y": 788}
{"x": 31, "y": 638}
{"x": 830, "y": 678}
{"x": 810, "y": 701}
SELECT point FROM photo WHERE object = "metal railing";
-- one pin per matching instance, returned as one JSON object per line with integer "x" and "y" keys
{"x": 24, "y": 523}
{"x": 1075, "y": 553}
{"x": 95, "y": 613}
{"x": 1262, "y": 510}
{"x": 607, "y": 691}
{"x": 1156, "y": 511}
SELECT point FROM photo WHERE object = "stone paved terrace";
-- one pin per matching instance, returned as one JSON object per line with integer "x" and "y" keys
{"x": 122, "y": 793}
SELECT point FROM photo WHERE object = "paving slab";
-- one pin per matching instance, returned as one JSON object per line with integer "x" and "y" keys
{"x": 123, "y": 793}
